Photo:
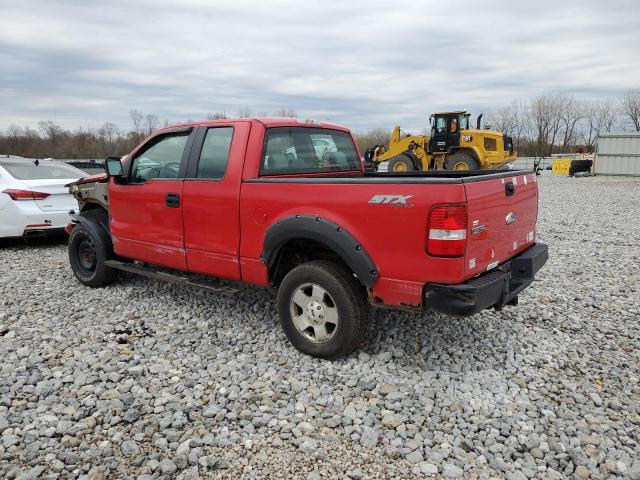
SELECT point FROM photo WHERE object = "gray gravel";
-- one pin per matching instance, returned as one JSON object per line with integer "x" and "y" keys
{"x": 146, "y": 380}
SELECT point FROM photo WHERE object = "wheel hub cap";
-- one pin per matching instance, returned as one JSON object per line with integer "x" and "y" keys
{"x": 314, "y": 313}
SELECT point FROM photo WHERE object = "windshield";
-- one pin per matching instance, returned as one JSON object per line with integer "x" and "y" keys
{"x": 42, "y": 171}
{"x": 290, "y": 150}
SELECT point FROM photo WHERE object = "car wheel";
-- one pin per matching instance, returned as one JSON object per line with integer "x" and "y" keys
{"x": 89, "y": 247}
{"x": 323, "y": 309}
{"x": 461, "y": 161}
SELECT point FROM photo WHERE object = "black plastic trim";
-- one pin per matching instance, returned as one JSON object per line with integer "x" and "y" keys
{"x": 417, "y": 178}
{"x": 321, "y": 230}
{"x": 495, "y": 288}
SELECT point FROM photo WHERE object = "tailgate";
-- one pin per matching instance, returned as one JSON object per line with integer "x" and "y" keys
{"x": 502, "y": 220}
{"x": 59, "y": 199}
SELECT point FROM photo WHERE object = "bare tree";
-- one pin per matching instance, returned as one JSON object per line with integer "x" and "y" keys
{"x": 542, "y": 112}
{"x": 599, "y": 117}
{"x": 244, "y": 112}
{"x": 136, "y": 120}
{"x": 15, "y": 137}
{"x": 151, "y": 123}
{"x": 283, "y": 112}
{"x": 216, "y": 116}
{"x": 109, "y": 132}
{"x": 52, "y": 132}
{"x": 377, "y": 136}
{"x": 571, "y": 112}
{"x": 631, "y": 107}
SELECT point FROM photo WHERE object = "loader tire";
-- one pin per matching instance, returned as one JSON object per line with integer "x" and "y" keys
{"x": 461, "y": 161}
{"x": 402, "y": 163}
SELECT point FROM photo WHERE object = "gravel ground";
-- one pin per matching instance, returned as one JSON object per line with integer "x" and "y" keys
{"x": 149, "y": 380}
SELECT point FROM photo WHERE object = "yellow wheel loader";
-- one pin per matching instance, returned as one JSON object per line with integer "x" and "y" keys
{"x": 452, "y": 146}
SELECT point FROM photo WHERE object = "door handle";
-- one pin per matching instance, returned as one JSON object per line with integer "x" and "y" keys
{"x": 173, "y": 200}
{"x": 509, "y": 189}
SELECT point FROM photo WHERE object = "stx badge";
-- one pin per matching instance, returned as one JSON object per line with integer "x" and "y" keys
{"x": 392, "y": 199}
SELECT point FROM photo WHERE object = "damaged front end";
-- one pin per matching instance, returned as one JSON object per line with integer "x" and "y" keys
{"x": 90, "y": 192}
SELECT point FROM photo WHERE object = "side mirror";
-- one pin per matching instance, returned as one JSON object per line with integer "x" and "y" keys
{"x": 113, "y": 167}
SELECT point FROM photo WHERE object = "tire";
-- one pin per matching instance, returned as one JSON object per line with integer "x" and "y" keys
{"x": 89, "y": 247}
{"x": 461, "y": 161}
{"x": 370, "y": 166}
{"x": 580, "y": 166}
{"x": 332, "y": 309}
{"x": 401, "y": 163}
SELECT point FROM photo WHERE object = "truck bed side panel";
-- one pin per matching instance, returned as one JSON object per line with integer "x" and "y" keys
{"x": 391, "y": 231}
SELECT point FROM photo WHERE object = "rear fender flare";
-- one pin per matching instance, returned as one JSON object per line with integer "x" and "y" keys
{"x": 313, "y": 227}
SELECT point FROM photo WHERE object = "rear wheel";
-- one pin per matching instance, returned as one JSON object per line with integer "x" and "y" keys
{"x": 322, "y": 309}
{"x": 401, "y": 163}
{"x": 89, "y": 247}
{"x": 461, "y": 161}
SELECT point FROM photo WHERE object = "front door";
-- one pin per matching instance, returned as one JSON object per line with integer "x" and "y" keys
{"x": 212, "y": 200}
{"x": 146, "y": 207}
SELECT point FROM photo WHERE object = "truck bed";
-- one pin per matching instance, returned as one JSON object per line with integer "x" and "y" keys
{"x": 395, "y": 234}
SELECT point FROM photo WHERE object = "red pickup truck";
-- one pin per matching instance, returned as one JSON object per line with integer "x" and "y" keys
{"x": 279, "y": 203}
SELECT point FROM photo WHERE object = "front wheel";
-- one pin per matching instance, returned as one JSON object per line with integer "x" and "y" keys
{"x": 322, "y": 309}
{"x": 89, "y": 247}
{"x": 401, "y": 163}
{"x": 461, "y": 161}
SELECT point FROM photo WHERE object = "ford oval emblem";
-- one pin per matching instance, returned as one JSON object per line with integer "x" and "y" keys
{"x": 510, "y": 218}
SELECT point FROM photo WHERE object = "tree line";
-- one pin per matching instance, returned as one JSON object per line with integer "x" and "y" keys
{"x": 51, "y": 140}
{"x": 542, "y": 126}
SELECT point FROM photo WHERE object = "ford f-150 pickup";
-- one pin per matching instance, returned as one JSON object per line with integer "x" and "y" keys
{"x": 280, "y": 203}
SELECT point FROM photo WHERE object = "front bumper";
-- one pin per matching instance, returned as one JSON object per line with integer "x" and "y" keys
{"x": 496, "y": 288}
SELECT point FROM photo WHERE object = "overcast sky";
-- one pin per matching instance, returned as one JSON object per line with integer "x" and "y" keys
{"x": 362, "y": 64}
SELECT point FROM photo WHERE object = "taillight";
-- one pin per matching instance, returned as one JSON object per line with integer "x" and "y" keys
{"x": 16, "y": 194}
{"x": 447, "y": 235}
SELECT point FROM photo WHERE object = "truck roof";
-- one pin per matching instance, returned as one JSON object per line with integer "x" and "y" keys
{"x": 267, "y": 122}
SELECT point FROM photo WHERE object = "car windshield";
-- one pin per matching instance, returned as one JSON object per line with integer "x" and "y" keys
{"x": 42, "y": 171}
{"x": 290, "y": 150}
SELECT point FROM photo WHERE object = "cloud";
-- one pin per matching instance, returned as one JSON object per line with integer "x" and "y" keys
{"x": 361, "y": 64}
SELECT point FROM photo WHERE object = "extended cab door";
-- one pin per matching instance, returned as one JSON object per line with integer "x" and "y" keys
{"x": 211, "y": 200}
{"x": 146, "y": 208}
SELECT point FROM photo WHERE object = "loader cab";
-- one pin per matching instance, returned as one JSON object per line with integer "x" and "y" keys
{"x": 445, "y": 130}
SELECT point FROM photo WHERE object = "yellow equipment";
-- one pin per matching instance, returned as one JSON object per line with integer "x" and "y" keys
{"x": 561, "y": 166}
{"x": 452, "y": 146}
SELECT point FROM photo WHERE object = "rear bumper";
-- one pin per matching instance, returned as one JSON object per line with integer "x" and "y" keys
{"x": 495, "y": 288}
{"x": 24, "y": 218}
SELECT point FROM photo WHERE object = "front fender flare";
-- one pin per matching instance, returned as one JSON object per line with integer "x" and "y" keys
{"x": 321, "y": 230}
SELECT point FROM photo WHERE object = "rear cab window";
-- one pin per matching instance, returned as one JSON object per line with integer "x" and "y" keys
{"x": 301, "y": 150}
{"x": 42, "y": 171}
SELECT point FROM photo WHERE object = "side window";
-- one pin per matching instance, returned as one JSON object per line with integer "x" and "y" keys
{"x": 214, "y": 155}
{"x": 161, "y": 159}
{"x": 441, "y": 124}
